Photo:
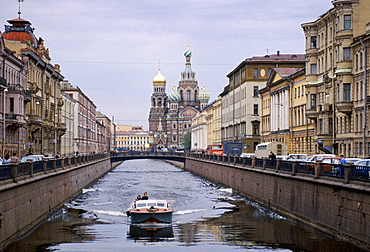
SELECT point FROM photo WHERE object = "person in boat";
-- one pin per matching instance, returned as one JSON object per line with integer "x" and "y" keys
{"x": 138, "y": 198}
{"x": 145, "y": 196}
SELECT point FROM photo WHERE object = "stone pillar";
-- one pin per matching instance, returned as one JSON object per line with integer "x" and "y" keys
{"x": 294, "y": 167}
{"x": 317, "y": 169}
{"x": 278, "y": 164}
{"x": 14, "y": 172}
{"x": 347, "y": 173}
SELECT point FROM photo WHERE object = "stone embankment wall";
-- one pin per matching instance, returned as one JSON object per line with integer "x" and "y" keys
{"x": 26, "y": 202}
{"x": 328, "y": 205}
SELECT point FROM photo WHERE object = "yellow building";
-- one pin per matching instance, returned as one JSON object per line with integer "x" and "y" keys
{"x": 131, "y": 138}
{"x": 283, "y": 111}
{"x": 330, "y": 85}
{"x": 240, "y": 99}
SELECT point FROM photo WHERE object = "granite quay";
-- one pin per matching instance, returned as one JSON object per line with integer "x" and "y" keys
{"x": 30, "y": 192}
{"x": 310, "y": 194}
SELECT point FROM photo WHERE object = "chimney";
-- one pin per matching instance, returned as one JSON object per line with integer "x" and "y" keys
{"x": 278, "y": 53}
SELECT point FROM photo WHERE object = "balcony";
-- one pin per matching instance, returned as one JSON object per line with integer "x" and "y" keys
{"x": 345, "y": 107}
{"x": 61, "y": 126}
{"x": 311, "y": 114}
{"x": 35, "y": 119}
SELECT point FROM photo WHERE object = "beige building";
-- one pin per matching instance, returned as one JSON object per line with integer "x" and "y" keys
{"x": 206, "y": 126}
{"x": 85, "y": 125}
{"x": 68, "y": 118}
{"x": 360, "y": 50}
{"x": 213, "y": 119}
{"x": 334, "y": 87}
{"x": 240, "y": 100}
{"x": 131, "y": 138}
{"x": 103, "y": 132}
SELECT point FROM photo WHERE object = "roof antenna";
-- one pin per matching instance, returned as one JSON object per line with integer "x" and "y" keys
{"x": 19, "y": 8}
{"x": 159, "y": 64}
{"x": 267, "y": 51}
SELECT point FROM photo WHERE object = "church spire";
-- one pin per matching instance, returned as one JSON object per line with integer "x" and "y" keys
{"x": 188, "y": 74}
{"x": 19, "y": 9}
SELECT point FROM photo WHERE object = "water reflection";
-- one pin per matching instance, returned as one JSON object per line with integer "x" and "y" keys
{"x": 150, "y": 232}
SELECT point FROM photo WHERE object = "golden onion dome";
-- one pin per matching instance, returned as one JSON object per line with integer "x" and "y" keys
{"x": 159, "y": 78}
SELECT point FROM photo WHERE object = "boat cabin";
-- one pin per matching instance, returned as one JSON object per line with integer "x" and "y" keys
{"x": 150, "y": 203}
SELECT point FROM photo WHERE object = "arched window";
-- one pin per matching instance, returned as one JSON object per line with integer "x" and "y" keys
{"x": 195, "y": 95}
{"x": 188, "y": 95}
{"x": 159, "y": 102}
{"x": 153, "y": 102}
{"x": 181, "y": 95}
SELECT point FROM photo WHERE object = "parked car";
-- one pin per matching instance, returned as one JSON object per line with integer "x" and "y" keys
{"x": 329, "y": 164}
{"x": 362, "y": 169}
{"x": 48, "y": 156}
{"x": 297, "y": 157}
{"x": 247, "y": 155}
{"x": 319, "y": 157}
{"x": 32, "y": 158}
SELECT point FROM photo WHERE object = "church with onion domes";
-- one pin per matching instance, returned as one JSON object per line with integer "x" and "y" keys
{"x": 171, "y": 114}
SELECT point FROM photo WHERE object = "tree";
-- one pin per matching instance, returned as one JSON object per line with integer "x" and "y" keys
{"x": 186, "y": 140}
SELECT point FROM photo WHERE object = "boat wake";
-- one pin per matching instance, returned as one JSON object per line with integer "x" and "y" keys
{"x": 182, "y": 212}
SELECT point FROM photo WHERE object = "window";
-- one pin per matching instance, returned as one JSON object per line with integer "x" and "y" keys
{"x": 346, "y": 53}
{"x": 347, "y": 22}
{"x": 11, "y": 105}
{"x": 313, "y": 101}
{"x": 347, "y": 92}
{"x": 313, "y": 69}
{"x": 188, "y": 96}
{"x": 255, "y": 109}
{"x": 255, "y": 73}
{"x": 313, "y": 42}
{"x": 255, "y": 91}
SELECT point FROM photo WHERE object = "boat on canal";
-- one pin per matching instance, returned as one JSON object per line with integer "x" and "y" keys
{"x": 150, "y": 211}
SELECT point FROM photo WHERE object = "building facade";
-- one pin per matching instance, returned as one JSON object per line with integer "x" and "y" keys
{"x": 43, "y": 103}
{"x": 283, "y": 117}
{"x": 85, "y": 124}
{"x": 132, "y": 138}
{"x": 68, "y": 118}
{"x": 13, "y": 99}
{"x": 170, "y": 115}
{"x": 334, "y": 86}
{"x": 240, "y": 100}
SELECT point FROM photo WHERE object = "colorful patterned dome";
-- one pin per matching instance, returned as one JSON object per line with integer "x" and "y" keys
{"x": 188, "y": 53}
{"x": 174, "y": 96}
{"x": 203, "y": 95}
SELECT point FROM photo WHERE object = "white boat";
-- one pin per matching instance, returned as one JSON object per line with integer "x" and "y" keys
{"x": 150, "y": 211}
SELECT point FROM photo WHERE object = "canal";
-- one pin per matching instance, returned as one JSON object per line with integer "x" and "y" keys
{"x": 207, "y": 217}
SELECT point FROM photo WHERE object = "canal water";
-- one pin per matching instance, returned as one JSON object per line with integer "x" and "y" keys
{"x": 207, "y": 217}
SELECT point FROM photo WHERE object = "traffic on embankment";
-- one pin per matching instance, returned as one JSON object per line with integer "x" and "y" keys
{"x": 311, "y": 193}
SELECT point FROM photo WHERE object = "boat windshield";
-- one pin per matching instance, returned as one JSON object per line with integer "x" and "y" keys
{"x": 149, "y": 204}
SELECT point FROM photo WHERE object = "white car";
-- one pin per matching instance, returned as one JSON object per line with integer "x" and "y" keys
{"x": 32, "y": 158}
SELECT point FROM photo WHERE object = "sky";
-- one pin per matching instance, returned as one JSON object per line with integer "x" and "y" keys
{"x": 112, "y": 49}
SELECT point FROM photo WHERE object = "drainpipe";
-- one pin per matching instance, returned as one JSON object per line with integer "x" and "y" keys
{"x": 365, "y": 99}
{"x": 4, "y": 116}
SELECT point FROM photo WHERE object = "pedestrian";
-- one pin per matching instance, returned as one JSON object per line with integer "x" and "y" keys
{"x": 145, "y": 196}
{"x": 272, "y": 156}
{"x": 14, "y": 158}
{"x": 342, "y": 160}
{"x": 6, "y": 159}
{"x": 57, "y": 155}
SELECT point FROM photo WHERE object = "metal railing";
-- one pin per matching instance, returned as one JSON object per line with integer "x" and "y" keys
{"x": 345, "y": 173}
{"x": 18, "y": 171}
